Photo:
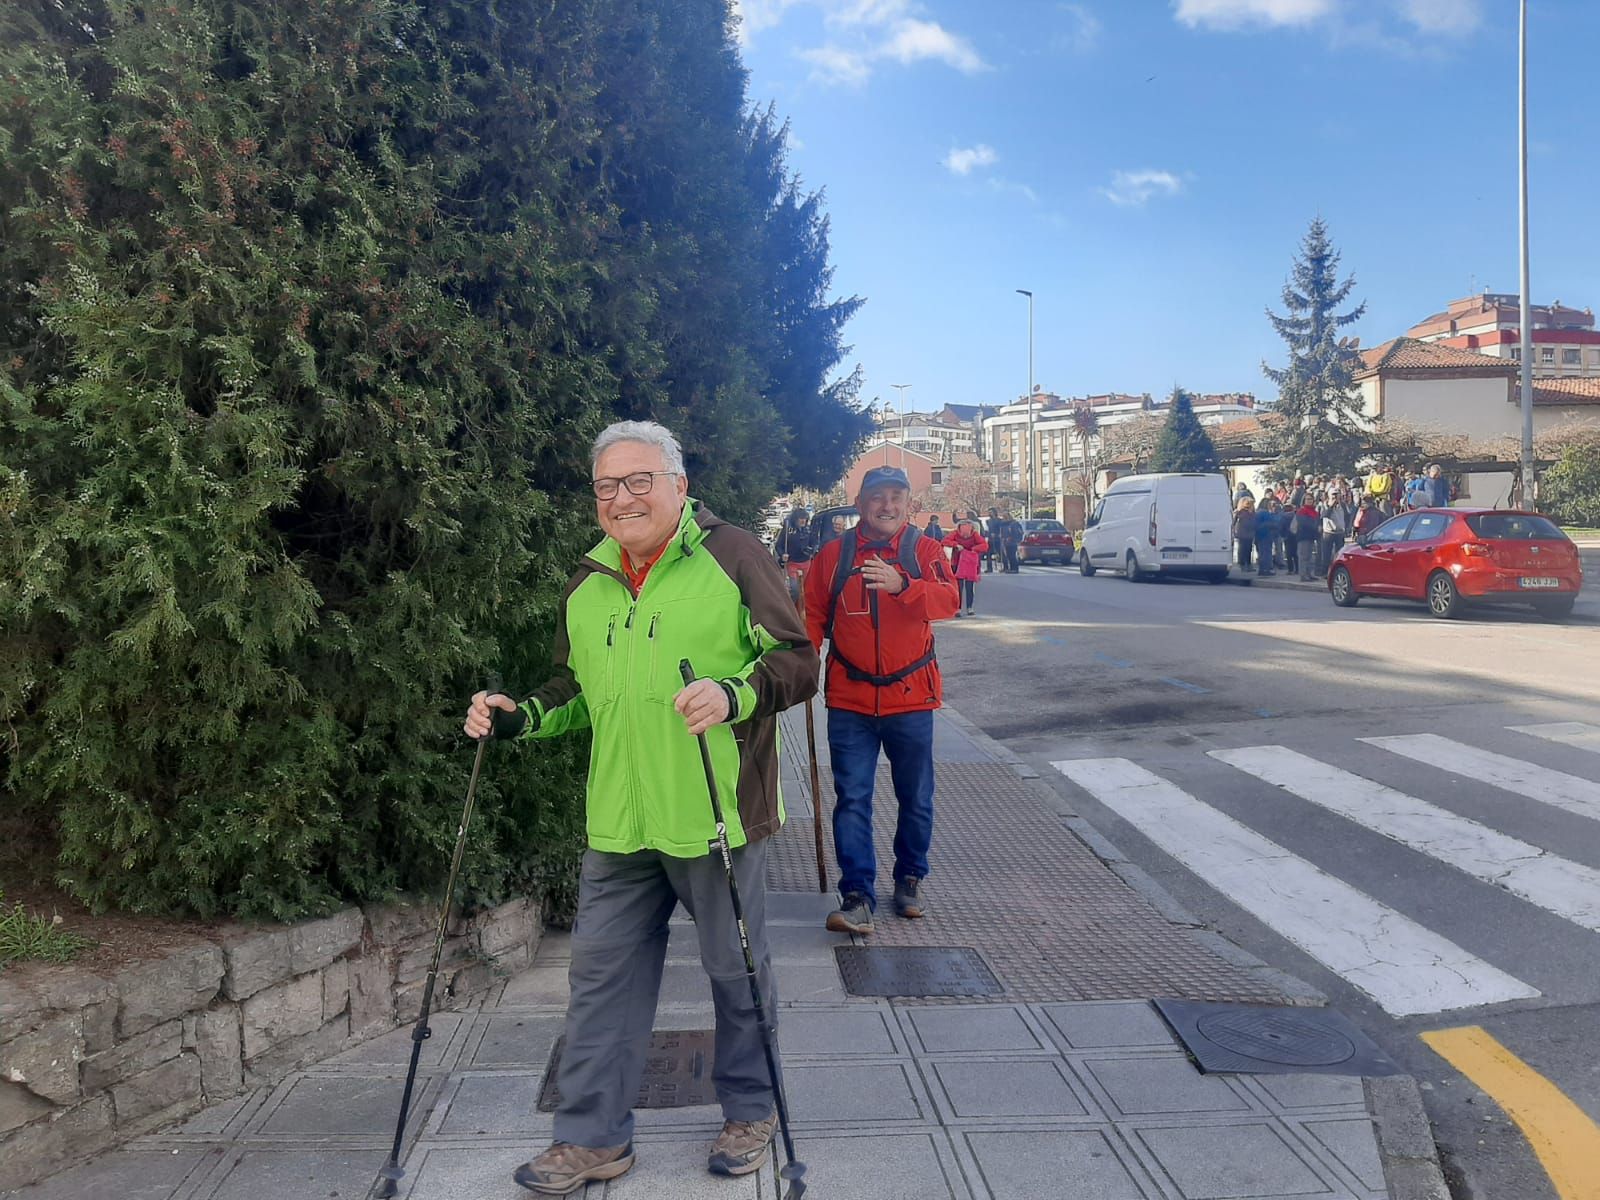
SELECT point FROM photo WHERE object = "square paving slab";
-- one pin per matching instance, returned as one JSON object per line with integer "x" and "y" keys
{"x": 1096, "y": 1025}
{"x": 394, "y": 1048}
{"x": 1144, "y": 1086}
{"x": 1235, "y": 1162}
{"x": 1352, "y": 1143}
{"x": 877, "y": 1166}
{"x": 837, "y": 1032}
{"x": 878, "y": 1093}
{"x": 512, "y": 1041}
{"x": 990, "y": 1028}
{"x": 343, "y": 1106}
{"x": 121, "y": 1175}
{"x": 297, "y": 1172}
{"x": 1090, "y": 1164}
{"x": 496, "y": 1104}
{"x": 1033, "y": 1089}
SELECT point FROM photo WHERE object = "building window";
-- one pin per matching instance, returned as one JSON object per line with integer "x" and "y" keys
{"x": 1569, "y": 358}
{"x": 1516, "y": 353}
{"x": 1547, "y": 354}
{"x": 1594, "y": 358}
{"x": 938, "y": 477}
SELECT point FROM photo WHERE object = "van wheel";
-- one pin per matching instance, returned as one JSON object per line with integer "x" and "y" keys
{"x": 1444, "y": 601}
{"x": 1342, "y": 588}
{"x": 1085, "y": 567}
{"x": 1134, "y": 572}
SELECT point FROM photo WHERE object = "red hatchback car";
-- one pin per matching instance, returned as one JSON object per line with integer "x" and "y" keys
{"x": 1452, "y": 557}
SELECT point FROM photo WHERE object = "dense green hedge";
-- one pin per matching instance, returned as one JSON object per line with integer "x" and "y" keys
{"x": 307, "y": 314}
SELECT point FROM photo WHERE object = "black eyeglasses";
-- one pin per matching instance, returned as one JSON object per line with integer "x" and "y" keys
{"x": 639, "y": 484}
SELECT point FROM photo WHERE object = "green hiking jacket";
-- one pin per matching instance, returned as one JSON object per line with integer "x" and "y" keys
{"x": 717, "y": 598}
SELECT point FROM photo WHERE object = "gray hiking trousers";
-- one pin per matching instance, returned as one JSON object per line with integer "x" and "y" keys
{"x": 619, "y": 945}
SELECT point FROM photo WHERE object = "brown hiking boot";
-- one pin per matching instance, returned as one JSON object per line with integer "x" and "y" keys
{"x": 564, "y": 1168}
{"x": 742, "y": 1146}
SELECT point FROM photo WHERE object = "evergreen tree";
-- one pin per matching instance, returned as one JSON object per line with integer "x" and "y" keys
{"x": 1184, "y": 444}
{"x": 308, "y": 315}
{"x": 1317, "y": 398}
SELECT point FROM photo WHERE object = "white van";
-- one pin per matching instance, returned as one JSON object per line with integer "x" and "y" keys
{"x": 1172, "y": 524}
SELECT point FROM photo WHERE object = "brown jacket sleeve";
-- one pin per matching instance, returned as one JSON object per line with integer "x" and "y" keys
{"x": 784, "y": 672}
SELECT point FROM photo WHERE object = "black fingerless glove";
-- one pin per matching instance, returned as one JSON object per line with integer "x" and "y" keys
{"x": 506, "y": 725}
{"x": 733, "y": 700}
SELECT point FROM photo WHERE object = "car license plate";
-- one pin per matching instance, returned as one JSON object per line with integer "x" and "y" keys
{"x": 1539, "y": 581}
{"x": 1174, "y": 554}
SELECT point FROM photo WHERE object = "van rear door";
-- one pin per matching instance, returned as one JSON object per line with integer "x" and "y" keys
{"x": 1191, "y": 521}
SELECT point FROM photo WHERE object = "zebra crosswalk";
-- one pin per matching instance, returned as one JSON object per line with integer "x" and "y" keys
{"x": 1407, "y": 968}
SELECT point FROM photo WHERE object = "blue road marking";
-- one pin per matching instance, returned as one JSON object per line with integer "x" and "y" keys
{"x": 1115, "y": 662}
{"x": 1188, "y": 687}
{"x": 1264, "y": 712}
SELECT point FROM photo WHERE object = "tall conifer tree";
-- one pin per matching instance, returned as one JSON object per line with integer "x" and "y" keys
{"x": 1317, "y": 397}
{"x": 1184, "y": 444}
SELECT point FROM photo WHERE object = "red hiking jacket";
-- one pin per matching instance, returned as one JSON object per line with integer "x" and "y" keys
{"x": 901, "y": 633}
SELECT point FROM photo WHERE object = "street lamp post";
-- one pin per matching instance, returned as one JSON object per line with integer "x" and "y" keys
{"x": 901, "y": 388}
{"x": 1526, "y": 314}
{"x": 1029, "y": 459}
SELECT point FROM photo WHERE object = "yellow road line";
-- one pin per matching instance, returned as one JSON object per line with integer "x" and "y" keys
{"x": 1561, "y": 1134}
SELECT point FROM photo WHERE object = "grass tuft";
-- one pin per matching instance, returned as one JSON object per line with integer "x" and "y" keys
{"x": 28, "y": 936}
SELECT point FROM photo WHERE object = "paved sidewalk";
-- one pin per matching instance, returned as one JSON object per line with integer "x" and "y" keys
{"x": 1067, "y": 1085}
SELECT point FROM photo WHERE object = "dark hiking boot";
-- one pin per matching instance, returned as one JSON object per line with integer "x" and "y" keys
{"x": 565, "y": 1168}
{"x": 854, "y": 915}
{"x": 742, "y": 1146}
{"x": 908, "y": 898}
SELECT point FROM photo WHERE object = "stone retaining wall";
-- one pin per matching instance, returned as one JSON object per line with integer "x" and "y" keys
{"x": 88, "y": 1061}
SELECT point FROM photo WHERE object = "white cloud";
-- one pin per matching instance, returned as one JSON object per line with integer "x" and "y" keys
{"x": 915, "y": 41}
{"x": 963, "y": 161}
{"x": 835, "y": 64}
{"x": 1454, "y": 18}
{"x": 1133, "y": 188}
{"x": 1236, "y": 14}
{"x": 1081, "y": 32}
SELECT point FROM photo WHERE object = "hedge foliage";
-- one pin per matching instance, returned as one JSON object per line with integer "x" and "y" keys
{"x": 308, "y": 312}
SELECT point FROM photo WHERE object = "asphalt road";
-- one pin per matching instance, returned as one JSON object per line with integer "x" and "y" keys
{"x": 1121, "y": 682}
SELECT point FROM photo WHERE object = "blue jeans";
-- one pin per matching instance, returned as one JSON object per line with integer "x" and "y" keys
{"x": 853, "y": 743}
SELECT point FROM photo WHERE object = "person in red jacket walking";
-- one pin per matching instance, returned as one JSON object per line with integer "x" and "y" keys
{"x": 968, "y": 546}
{"x": 873, "y": 596}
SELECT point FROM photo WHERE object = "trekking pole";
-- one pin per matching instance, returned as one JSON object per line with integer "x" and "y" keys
{"x": 793, "y": 1171}
{"x": 391, "y": 1173}
{"x": 816, "y": 790}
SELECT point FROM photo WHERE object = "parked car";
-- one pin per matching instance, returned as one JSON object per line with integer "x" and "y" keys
{"x": 1175, "y": 523}
{"x": 1450, "y": 558}
{"x": 1045, "y": 541}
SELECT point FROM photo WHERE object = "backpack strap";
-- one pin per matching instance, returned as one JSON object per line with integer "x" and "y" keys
{"x": 841, "y": 576}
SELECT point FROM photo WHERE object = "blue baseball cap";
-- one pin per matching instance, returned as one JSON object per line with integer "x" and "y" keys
{"x": 884, "y": 477}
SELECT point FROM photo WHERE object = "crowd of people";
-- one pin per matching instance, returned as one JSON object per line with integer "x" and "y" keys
{"x": 1300, "y": 525}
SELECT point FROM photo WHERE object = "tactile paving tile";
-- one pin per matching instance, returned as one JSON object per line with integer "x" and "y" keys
{"x": 677, "y": 1071}
{"x": 1008, "y": 878}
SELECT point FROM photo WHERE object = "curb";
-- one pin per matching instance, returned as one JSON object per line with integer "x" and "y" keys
{"x": 1411, "y": 1168}
{"x": 1296, "y": 585}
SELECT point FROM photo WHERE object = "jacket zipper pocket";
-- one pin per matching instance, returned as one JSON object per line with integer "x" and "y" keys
{"x": 666, "y": 690}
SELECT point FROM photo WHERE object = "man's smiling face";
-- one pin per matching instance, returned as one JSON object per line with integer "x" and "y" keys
{"x": 640, "y": 524}
{"x": 883, "y": 511}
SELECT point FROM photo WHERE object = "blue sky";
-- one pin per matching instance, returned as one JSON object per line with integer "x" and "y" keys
{"x": 1148, "y": 167}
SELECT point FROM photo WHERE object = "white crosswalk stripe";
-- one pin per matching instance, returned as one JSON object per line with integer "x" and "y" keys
{"x": 1568, "y": 889}
{"x": 1569, "y": 733}
{"x": 1403, "y": 966}
{"x": 1557, "y": 788}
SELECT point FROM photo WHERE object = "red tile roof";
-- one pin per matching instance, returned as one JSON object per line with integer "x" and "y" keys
{"x": 1408, "y": 354}
{"x": 1563, "y": 393}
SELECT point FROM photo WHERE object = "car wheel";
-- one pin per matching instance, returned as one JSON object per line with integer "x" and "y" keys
{"x": 1085, "y": 567}
{"x": 1444, "y": 601}
{"x": 1556, "y": 609}
{"x": 1342, "y": 588}
{"x": 1133, "y": 571}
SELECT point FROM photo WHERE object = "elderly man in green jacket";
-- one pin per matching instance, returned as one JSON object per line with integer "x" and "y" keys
{"x": 669, "y": 581}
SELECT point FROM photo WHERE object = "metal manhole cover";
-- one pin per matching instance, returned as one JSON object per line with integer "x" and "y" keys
{"x": 677, "y": 1071}
{"x": 915, "y": 971}
{"x": 1260, "y": 1039}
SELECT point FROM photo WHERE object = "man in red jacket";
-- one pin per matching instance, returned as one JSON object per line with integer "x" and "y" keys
{"x": 873, "y": 595}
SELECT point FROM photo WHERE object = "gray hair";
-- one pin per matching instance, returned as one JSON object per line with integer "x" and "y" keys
{"x": 646, "y": 433}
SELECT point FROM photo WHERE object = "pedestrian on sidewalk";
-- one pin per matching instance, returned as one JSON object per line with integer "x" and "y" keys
{"x": 1336, "y": 517}
{"x": 967, "y": 546}
{"x": 1244, "y": 529}
{"x": 1307, "y": 530}
{"x": 875, "y": 609}
{"x": 792, "y": 546}
{"x": 934, "y": 529}
{"x": 991, "y": 533}
{"x": 1269, "y": 529}
{"x": 668, "y": 581}
{"x": 1367, "y": 518}
{"x": 1010, "y": 541}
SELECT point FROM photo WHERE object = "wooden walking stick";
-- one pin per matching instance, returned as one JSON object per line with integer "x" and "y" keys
{"x": 811, "y": 748}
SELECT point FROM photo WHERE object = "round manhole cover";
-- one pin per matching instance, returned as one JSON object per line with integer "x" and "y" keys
{"x": 1298, "y": 1040}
